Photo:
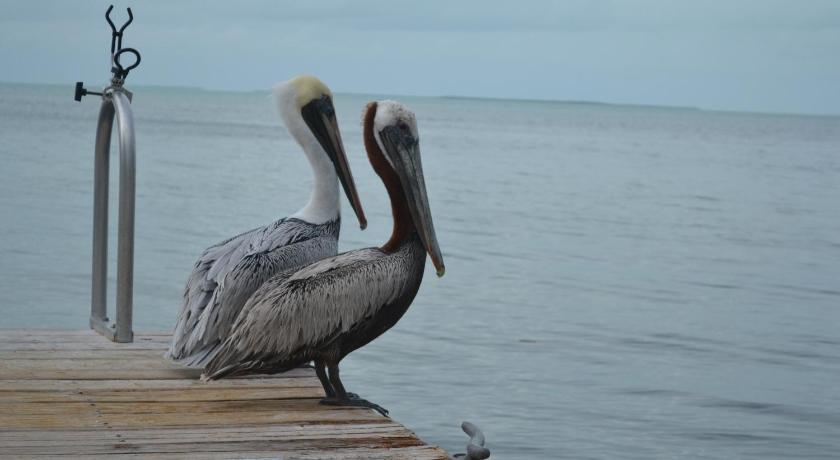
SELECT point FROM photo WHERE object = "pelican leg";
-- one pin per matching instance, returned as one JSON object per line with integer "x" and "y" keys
{"x": 335, "y": 379}
{"x": 343, "y": 398}
{"x": 337, "y": 393}
{"x": 321, "y": 372}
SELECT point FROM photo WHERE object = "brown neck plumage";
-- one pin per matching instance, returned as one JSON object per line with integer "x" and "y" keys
{"x": 403, "y": 225}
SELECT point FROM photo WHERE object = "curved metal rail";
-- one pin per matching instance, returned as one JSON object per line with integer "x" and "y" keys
{"x": 475, "y": 448}
{"x": 115, "y": 101}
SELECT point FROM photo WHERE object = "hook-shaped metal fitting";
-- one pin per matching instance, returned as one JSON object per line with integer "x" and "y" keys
{"x": 123, "y": 71}
{"x": 111, "y": 23}
{"x": 108, "y": 18}
{"x": 116, "y": 35}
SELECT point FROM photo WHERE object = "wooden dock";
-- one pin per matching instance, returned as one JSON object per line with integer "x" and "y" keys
{"x": 74, "y": 394}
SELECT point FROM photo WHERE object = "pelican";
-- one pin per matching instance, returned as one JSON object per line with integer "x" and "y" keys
{"x": 327, "y": 309}
{"x": 228, "y": 273}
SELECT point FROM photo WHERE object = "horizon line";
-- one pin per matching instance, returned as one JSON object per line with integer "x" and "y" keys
{"x": 483, "y": 98}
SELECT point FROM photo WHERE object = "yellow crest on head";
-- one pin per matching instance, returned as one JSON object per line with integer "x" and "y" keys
{"x": 308, "y": 88}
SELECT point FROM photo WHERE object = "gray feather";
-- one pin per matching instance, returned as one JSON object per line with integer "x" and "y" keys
{"x": 227, "y": 274}
{"x": 296, "y": 312}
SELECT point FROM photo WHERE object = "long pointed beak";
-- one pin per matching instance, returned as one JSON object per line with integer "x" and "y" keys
{"x": 404, "y": 153}
{"x": 319, "y": 115}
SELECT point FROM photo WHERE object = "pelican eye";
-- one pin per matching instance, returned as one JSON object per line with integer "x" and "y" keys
{"x": 405, "y": 133}
{"x": 324, "y": 104}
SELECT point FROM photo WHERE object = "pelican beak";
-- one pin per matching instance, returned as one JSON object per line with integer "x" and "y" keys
{"x": 403, "y": 151}
{"x": 319, "y": 115}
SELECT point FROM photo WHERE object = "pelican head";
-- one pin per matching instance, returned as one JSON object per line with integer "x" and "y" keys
{"x": 395, "y": 130}
{"x": 307, "y": 109}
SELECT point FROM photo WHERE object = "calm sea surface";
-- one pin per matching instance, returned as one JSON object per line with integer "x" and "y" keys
{"x": 621, "y": 282}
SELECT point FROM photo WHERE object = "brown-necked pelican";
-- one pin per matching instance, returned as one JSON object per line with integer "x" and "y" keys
{"x": 327, "y": 309}
{"x": 227, "y": 274}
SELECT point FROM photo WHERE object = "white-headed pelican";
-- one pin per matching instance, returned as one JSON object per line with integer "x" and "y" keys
{"x": 227, "y": 274}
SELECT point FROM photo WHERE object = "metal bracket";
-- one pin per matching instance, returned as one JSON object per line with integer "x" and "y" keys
{"x": 119, "y": 71}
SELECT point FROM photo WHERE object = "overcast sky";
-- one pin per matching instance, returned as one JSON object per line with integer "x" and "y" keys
{"x": 756, "y": 55}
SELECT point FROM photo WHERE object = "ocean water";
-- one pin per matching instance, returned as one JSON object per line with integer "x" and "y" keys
{"x": 622, "y": 282}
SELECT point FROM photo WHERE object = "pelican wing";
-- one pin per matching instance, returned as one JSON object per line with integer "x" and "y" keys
{"x": 299, "y": 311}
{"x": 227, "y": 274}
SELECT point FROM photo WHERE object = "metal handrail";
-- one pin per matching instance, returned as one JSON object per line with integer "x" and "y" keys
{"x": 115, "y": 100}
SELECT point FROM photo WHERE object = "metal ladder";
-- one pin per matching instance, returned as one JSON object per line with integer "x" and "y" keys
{"x": 116, "y": 100}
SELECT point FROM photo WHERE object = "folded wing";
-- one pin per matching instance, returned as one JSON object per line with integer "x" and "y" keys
{"x": 298, "y": 312}
{"x": 227, "y": 274}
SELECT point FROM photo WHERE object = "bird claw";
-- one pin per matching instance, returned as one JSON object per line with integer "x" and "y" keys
{"x": 354, "y": 401}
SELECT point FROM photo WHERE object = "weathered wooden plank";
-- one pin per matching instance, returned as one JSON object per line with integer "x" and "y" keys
{"x": 69, "y": 334}
{"x": 302, "y": 377}
{"x": 405, "y": 453}
{"x": 207, "y": 433}
{"x": 123, "y": 445}
{"x": 49, "y": 346}
{"x": 96, "y": 365}
{"x": 98, "y": 374}
{"x": 184, "y": 409}
{"x": 76, "y": 354}
{"x": 17, "y": 415}
{"x": 38, "y": 333}
{"x": 85, "y": 338}
{"x": 284, "y": 438}
{"x": 19, "y": 340}
{"x": 103, "y": 346}
{"x": 10, "y": 371}
{"x": 126, "y": 443}
{"x": 161, "y": 396}
{"x": 116, "y": 363}
{"x": 66, "y": 420}
{"x": 145, "y": 395}
{"x": 74, "y": 394}
{"x": 410, "y": 453}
